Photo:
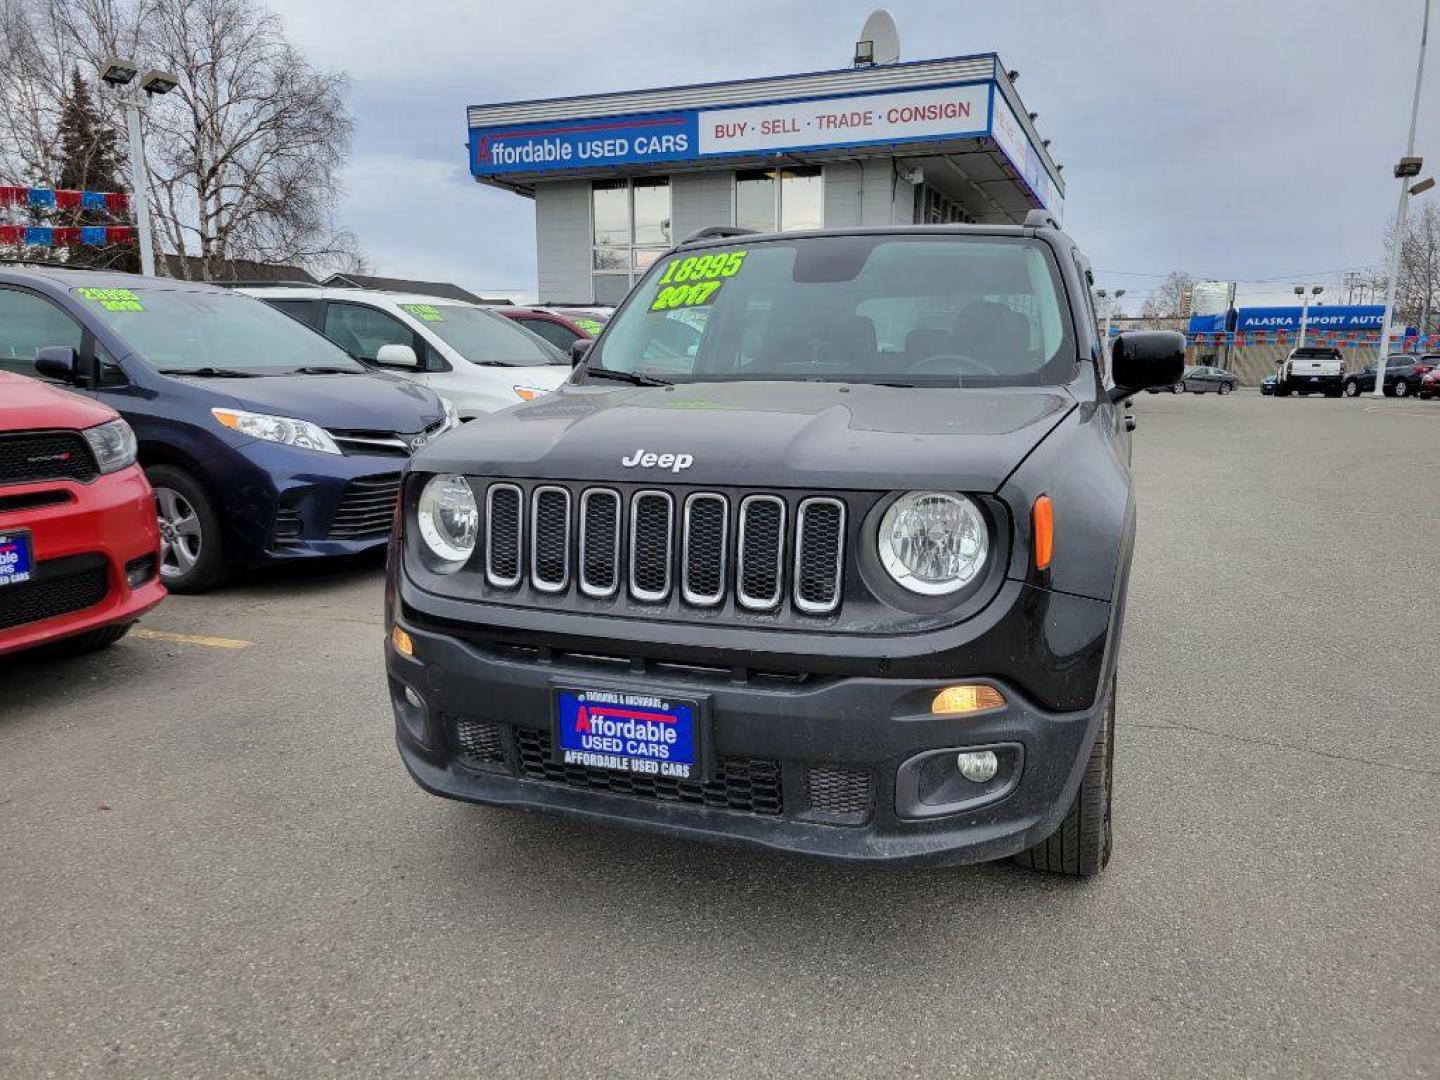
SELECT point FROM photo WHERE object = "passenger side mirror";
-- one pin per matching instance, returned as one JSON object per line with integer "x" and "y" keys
{"x": 401, "y": 356}
{"x": 1141, "y": 359}
{"x": 578, "y": 348}
{"x": 58, "y": 362}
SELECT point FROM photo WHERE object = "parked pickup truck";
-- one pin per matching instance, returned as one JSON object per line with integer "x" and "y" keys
{"x": 1311, "y": 370}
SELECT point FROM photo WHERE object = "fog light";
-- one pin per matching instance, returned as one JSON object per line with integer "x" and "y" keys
{"x": 401, "y": 640}
{"x": 417, "y": 702}
{"x": 966, "y": 699}
{"x": 978, "y": 766}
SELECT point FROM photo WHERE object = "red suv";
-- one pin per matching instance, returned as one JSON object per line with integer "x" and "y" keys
{"x": 79, "y": 542}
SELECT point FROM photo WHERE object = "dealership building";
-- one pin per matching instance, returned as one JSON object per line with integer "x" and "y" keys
{"x": 618, "y": 177}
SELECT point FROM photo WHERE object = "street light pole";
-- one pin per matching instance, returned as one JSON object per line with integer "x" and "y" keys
{"x": 138, "y": 195}
{"x": 1405, "y": 178}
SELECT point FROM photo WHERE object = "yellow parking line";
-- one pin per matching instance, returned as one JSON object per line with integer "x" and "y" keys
{"x": 192, "y": 639}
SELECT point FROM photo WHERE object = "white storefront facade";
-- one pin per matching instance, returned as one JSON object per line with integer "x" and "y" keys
{"x": 617, "y": 178}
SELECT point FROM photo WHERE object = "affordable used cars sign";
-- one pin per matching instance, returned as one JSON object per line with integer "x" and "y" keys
{"x": 906, "y": 116}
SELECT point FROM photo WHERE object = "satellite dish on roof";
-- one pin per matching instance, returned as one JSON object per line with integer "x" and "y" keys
{"x": 879, "y": 41}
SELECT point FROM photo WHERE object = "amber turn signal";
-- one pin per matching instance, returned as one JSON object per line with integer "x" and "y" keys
{"x": 401, "y": 640}
{"x": 1043, "y": 518}
{"x": 966, "y": 699}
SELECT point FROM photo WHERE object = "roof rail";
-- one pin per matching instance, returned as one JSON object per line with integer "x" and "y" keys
{"x": 711, "y": 232}
{"x": 265, "y": 284}
{"x": 1041, "y": 219}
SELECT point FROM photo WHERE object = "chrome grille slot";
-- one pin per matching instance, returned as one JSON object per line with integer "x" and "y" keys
{"x": 550, "y": 538}
{"x": 652, "y": 523}
{"x": 761, "y": 552}
{"x": 503, "y": 524}
{"x": 702, "y": 558}
{"x": 599, "y": 542}
{"x": 819, "y": 555}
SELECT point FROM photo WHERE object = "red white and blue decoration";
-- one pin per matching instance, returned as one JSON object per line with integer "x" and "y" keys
{"x": 115, "y": 203}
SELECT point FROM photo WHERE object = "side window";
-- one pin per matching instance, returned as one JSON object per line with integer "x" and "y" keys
{"x": 553, "y": 332}
{"x": 303, "y": 310}
{"x": 361, "y": 330}
{"x": 28, "y": 323}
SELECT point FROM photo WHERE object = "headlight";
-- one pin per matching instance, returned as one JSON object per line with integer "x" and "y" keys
{"x": 932, "y": 542}
{"x": 281, "y": 429}
{"x": 449, "y": 520}
{"x": 113, "y": 445}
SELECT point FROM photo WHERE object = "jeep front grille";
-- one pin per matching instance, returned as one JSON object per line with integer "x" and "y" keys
{"x": 748, "y": 550}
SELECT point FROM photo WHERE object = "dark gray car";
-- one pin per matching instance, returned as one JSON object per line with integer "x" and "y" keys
{"x": 1209, "y": 380}
{"x": 840, "y": 571}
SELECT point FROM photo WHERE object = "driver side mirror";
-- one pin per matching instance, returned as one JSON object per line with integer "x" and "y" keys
{"x": 578, "y": 348}
{"x": 58, "y": 362}
{"x": 402, "y": 356}
{"x": 1141, "y": 359}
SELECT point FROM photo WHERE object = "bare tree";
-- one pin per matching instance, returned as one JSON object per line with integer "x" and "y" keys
{"x": 243, "y": 156}
{"x": 1171, "y": 298}
{"x": 1417, "y": 290}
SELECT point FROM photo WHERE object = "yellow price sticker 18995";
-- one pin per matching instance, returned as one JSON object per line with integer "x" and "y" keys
{"x": 694, "y": 280}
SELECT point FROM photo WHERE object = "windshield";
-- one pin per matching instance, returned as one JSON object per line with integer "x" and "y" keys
{"x": 179, "y": 331}
{"x": 940, "y": 311}
{"x": 482, "y": 337}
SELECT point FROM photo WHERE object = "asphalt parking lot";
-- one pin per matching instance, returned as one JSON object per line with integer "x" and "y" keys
{"x": 213, "y": 862}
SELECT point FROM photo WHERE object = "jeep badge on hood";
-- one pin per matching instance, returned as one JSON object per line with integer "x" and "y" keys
{"x": 674, "y": 462}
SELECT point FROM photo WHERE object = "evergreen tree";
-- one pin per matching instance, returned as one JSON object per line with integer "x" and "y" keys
{"x": 89, "y": 160}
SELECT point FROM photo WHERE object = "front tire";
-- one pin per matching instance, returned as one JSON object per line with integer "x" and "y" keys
{"x": 1352, "y": 388}
{"x": 1178, "y": 388}
{"x": 1223, "y": 389}
{"x": 1081, "y": 846}
{"x": 1402, "y": 389}
{"x": 191, "y": 558}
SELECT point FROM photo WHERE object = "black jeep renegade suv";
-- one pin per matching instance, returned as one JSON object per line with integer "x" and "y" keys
{"x": 823, "y": 548}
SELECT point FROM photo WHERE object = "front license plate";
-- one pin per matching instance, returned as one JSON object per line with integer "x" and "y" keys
{"x": 17, "y": 558}
{"x": 629, "y": 731}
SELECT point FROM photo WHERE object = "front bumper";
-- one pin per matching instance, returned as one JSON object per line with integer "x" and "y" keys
{"x": 82, "y": 549}
{"x": 783, "y": 746}
{"x": 282, "y": 503}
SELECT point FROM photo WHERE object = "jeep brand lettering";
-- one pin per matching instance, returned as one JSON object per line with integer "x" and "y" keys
{"x": 647, "y": 460}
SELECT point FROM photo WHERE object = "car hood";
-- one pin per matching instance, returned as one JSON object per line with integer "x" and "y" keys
{"x": 777, "y": 434}
{"x": 339, "y": 402}
{"x": 539, "y": 377}
{"x": 27, "y": 404}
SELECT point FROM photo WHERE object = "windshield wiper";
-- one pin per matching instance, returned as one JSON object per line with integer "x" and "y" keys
{"x": 321, "y": 370}
{"x": 209, "y": 372}
{"x": 625, "y": 377}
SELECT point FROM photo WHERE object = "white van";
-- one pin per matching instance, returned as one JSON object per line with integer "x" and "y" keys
{"x": 469, "y": 355}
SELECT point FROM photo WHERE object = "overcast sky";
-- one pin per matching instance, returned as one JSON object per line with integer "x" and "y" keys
{"x": 1235, "y": 139}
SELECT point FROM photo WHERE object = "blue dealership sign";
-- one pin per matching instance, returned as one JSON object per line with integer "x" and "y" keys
{"x": 583, "y": 144}
{"x": 1340, "y": 317}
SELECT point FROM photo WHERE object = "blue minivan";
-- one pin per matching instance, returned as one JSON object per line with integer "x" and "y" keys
{"x": 263, "y": 440}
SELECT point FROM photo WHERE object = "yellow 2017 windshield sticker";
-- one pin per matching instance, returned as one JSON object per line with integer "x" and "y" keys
{"x": 113, "y": 299}
{"x": 695, "y": 280}
{"x": 424, "y": 312}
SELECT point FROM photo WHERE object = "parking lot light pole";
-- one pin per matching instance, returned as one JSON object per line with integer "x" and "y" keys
{"x": 1315, "y": 290}
{"x": 120, "y": 74}
{"x": 1103, "y": 294}
{"x": 1405, "y": 171}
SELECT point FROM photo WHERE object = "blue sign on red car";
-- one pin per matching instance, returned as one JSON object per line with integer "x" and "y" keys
{"x": 16, "y": 559}
{"x": 628, "y": 732}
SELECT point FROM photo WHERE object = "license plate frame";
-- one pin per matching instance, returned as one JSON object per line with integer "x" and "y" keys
{"x": 618, "y": 706}
{"x": 21, "y": 544}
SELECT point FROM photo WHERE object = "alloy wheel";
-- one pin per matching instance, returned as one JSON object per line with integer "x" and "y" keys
{"x": 180, "y": 533}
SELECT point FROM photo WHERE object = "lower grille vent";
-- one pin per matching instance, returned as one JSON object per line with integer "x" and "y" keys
{"x": 51, "y": 595}
{"x": 367, "y": 508}
{"x": 839, "y": 793}
{"x": 479, "y": 741}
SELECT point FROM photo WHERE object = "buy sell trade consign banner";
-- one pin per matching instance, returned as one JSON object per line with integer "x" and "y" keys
{"x": 933, "y": 114}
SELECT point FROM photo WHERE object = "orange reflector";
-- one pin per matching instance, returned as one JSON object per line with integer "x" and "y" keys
{"x": 1044, "y": 520}
{"x": 526, "y": 393}
{"x": 401, "y": 640}
{"x": 966, "y": 699}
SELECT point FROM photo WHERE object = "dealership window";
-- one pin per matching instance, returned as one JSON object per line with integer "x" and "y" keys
{"x": 937, "y": 208}
{"x": 631, "y": 230}
{"x": 797, "y": 201}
